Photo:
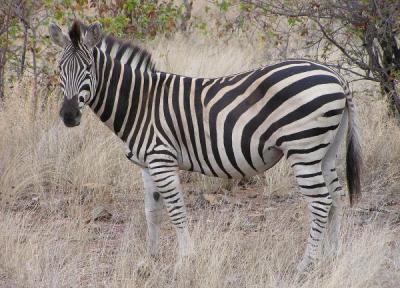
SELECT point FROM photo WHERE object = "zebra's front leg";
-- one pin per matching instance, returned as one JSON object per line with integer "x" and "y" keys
{"x": 153, "y": 210}
{"x": 165, "y": 174}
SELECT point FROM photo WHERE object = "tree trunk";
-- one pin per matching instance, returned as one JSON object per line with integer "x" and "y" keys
{"x": 187, "y": 15}
{"x": 24, "y": 46}
{"x": 35, "y": 72}
{"x": 4, "y": 49}
{"x": 2, "y": 69}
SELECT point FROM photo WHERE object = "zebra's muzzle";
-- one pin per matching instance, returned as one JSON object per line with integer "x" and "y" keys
{"x": 70, "y": 112}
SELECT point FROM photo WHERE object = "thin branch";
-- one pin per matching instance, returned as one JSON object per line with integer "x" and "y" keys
{"x": 365, "y": 77}
{"x": 337, "y": 45}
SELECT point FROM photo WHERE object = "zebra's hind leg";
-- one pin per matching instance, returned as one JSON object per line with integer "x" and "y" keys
{"x": 336, "y": 213}
{"x": 334, "y": 187}
{"x": 312, "y": 185}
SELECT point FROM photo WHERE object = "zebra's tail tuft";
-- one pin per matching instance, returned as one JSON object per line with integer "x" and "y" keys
{"x": 353, "y": 154}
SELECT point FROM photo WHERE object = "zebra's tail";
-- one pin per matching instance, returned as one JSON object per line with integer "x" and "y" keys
{"x": 353, "y": 154}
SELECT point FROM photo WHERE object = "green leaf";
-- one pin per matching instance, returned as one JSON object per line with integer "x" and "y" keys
{"x": 292, "y": 21}
{"x": 224, "y": 5}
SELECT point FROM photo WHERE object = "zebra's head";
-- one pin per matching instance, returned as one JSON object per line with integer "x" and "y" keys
{"x": 77, "y": 69}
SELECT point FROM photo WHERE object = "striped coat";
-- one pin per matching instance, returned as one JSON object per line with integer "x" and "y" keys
{"x": 232, "y": 127}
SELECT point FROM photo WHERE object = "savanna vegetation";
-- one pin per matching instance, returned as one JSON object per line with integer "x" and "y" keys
{"x": 71, "y": 205}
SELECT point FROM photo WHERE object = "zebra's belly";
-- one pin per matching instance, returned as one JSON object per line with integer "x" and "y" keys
{"x": 239, "y": 168}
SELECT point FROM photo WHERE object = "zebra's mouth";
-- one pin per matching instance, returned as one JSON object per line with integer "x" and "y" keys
{"x": 71, "y": 123}
{"x": 70, "y": 112}
{"x": 72, "y": 120}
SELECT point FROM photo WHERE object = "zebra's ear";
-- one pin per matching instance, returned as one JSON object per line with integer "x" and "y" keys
{"x": 57, "y": 35}
{"x": 93, "y": 35}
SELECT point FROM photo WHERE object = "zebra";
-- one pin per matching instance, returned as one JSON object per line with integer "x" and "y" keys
{"x": 230, "y": 127}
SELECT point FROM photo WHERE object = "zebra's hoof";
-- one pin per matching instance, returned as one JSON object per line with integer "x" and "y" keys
{"x": 143, "y": 269}
{"x": 303, "y": 269}
{"x": 184, "y": 263}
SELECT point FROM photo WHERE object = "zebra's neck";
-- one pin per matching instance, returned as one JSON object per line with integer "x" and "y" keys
{"x": 123, "y": 101}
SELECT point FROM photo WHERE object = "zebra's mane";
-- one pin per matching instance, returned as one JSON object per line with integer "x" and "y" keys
{"x": 127, "y": 53}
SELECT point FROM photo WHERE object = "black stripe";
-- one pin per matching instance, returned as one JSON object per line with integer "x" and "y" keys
{"x": 319, "y": 185}
{"x": 134, "y": 106}
{"x": 161, "y": 153}
{"x": 250, "y": 100}
{"x": 174, "y": 208}
{"x": 305, "y": 151}
{"x": 319, "y": 215}
{"x": 177, "y": 219}
{"x": 174, "y": 201}
{"x": 319, "y": 221}
{"x": 319, "y": 225}
{"x": 178, "y": 111}
{"x": 187, "y": 84}
{"x": 309, "y": 175}
{"x": 322, "y": 203}
{"x": 217, "y": 85}
{"x": 176, "y": 214}
{"x": 332, "y": 113}
{"x": 302, "y": 111}
{"x": 316, "y": 230}
{"x": 148, "y": 143}
{"x": 317, "y": 195}
{"x": 104, "y": 79}
{"x": 167, "y": 191}
{"x": 162, "y": 179}
{"x": 305, "y": 134}
{"x": 162, "y": 161}
{"x": 144, "y": 95}
{"x": 163, "y": 166}
{"x": 109, "y": 44}
{"x": 319, "y": 209}
{"x": 161, "y": 92}
{"x": 198, "y": 106}
{"x": 337, "y": 189}
{"x": 171, "y": 196}
{"x": 167, "y": 113}
{"x": 334, "y": 180}
{"x": 162, "y": 172}
{"x": 147, "y": 120}
{"x": 121, "y": 50}
{"x": 306, "y": 163}
{"x": 165, "y": 185}
{"x": 123, "y": 101}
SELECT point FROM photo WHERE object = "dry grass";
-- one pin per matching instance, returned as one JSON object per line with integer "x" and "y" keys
{"x": 51, "y": 177}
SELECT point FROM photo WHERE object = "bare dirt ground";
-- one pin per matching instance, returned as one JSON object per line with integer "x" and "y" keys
{"x": 248, "y": 213}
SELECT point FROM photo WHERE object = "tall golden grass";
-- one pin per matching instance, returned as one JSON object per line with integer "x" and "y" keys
{"x": 52, "y": 177}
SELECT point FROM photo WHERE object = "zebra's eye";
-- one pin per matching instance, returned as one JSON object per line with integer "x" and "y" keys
{"x": 81, "y": 99}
